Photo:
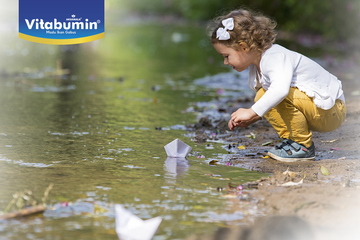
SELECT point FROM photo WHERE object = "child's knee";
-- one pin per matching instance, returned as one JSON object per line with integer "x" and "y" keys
{"x": 259, "y": 94}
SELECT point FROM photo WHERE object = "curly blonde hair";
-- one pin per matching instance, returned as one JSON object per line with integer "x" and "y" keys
{"x": 256, "y": 30}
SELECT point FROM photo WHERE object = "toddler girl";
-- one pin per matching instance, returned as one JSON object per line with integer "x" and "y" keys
{"x": 294, "y": 93}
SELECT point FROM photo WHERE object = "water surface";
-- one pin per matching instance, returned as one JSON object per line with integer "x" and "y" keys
{"x": 87, "y": 117}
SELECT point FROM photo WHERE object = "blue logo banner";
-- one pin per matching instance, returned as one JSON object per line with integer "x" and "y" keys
{"x": 61, "y": 22}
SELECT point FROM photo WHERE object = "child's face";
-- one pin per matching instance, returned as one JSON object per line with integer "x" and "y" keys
{"x": 239, "y": 59}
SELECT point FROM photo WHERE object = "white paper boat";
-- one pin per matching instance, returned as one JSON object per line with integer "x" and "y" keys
{"x": 177, "y": 148}
{"x": 131, "y": 227}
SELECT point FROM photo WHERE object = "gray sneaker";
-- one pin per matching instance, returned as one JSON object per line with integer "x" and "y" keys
{"x": 290, "y": 151}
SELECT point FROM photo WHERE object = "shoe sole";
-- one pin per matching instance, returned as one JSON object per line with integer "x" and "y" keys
{"x": 281, "y": 159}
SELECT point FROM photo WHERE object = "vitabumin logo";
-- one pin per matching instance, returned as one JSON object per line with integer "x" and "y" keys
{"x": 50, "y": 22}
{"x": 40, "y": 24}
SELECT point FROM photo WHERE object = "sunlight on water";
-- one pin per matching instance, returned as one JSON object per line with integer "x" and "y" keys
{"x": 87, "y": 117}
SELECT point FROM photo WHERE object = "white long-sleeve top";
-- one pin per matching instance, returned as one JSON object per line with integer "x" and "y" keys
{"x": 281, "y": 69}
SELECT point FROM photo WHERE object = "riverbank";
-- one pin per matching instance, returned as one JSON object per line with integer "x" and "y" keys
{"x": 324, "y": 194}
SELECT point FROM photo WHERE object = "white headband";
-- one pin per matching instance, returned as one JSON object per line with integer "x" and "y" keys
{"x": 222, "y": 33}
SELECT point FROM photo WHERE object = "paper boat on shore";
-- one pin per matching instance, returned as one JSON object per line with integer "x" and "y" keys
{"x": 177, "y": 148}
{"x": 131, "y": 227}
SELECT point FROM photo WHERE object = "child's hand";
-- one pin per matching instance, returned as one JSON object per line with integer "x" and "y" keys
{"x": 232, "y": 124}
{"x": 243, "y": 118}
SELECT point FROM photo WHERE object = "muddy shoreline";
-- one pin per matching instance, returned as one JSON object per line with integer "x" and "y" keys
{"x": 328, "y": 204}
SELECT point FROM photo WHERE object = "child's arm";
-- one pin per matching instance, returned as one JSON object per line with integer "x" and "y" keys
{"x": 278, "y": 69}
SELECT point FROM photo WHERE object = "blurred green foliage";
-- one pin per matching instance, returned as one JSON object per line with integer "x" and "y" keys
{"x": 338, "y": 19}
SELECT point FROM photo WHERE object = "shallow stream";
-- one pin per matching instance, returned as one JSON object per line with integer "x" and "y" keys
{"x": 93, "y": 120}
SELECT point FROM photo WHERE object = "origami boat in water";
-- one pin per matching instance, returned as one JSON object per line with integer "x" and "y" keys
{"x": 131, "y": 227}
{"x": 177, "y": 148}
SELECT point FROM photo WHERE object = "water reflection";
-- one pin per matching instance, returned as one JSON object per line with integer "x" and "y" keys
{"x": 176, "y": 167}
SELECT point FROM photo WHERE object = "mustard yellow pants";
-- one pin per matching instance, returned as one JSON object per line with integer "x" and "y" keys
{"x": 297, "y": 115}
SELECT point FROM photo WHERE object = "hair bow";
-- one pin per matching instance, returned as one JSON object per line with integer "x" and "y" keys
{"x": 222, "y": 33}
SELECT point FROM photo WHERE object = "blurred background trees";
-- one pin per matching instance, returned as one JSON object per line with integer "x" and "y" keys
{"x": 335, "y": 19}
